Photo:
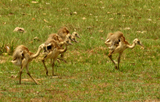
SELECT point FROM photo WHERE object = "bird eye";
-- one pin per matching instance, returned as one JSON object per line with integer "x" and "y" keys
{"x": 138, "y": 41}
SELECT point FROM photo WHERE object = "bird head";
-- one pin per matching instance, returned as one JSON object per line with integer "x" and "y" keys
{"x": 74, "y": 35}
{"x": 42, "y": 46}
{"x": 68, "y": 42}
{"x": 137, "y": 41}
{"x": 69, "y": 36}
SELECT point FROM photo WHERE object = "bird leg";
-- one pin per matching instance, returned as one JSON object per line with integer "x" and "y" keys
{"x": 30, "y": 75}
{"x": 62, "y": 58}
{"x": 45, "y": 67}
{"x": 24, "y": 63}
{"x": 53, "y": 68}
{"x": 119, "y": 59}
{"x": 110, "y": 56}
{"x": 20, "y": 73}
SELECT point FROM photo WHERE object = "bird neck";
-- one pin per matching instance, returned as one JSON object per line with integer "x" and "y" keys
{"x": 36, "y": 54}
{"x": 131, "y": 46}
{"x": 63, "y": 50}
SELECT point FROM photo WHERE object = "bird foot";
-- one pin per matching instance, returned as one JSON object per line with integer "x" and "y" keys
{"x": 54, "y": 76}
{"x": 116, "y": 68}
{"x": 61, "y": 59}
{"x": 47, "y": 73}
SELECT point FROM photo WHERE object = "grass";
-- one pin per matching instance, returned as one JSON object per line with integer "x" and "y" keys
{"x": 88, "y": 74}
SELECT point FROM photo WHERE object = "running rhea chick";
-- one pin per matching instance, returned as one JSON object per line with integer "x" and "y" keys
{"x": 117, "y": 44}
{"x": 22, "y": 56}
{"x": 52, "y": 50}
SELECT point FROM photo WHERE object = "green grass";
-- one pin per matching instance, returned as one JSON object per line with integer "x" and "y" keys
{"x": 88, "y": 74}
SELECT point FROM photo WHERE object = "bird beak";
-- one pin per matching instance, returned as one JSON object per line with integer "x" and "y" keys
{"x": 71, "y": 39}
{"x": 75, "y": 41}
{"x": 78, "y": 36}
{"x": 69, "y": 43}
{"x": 142, "y": 46}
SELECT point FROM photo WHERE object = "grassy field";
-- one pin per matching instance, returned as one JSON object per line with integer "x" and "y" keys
{"x": 88, "y": 74}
